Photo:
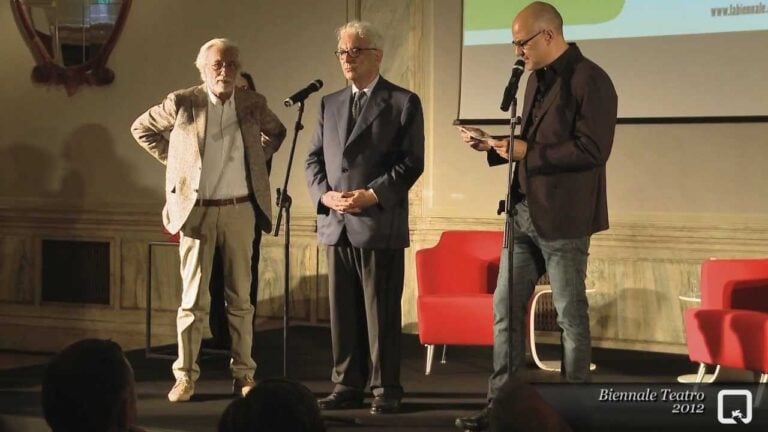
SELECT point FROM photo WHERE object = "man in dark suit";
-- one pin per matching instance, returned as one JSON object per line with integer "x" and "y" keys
{"x": 559, "y": 192}
{"x": 367, "y": 151}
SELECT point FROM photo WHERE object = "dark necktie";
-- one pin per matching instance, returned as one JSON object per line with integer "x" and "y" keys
{"x": 358, "y": 104}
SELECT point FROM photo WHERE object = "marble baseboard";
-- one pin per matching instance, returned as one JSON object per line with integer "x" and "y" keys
{"x": 639, "y": 268}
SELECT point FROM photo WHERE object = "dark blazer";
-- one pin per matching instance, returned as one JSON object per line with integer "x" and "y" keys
{"x": 568, "y": 147}
{"x": 384, "y": 152}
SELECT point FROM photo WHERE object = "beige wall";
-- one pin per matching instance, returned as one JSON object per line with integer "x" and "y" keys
{"x": 69, "y": 169}
{"x": 79, "y": 148}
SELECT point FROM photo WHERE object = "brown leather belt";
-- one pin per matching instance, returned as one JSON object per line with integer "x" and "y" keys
{"x": 223, "y": 201}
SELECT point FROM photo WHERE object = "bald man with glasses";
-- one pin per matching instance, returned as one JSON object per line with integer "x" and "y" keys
{"x": 558, "y": 192}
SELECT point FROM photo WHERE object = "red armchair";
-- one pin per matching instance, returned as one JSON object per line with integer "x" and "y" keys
{"x": 456, "y": 279}
{"x": 731, "y": 326}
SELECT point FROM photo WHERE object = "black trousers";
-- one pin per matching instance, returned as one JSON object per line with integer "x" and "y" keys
{"x": 366, "y": 286}
{"x": 217, "y": 317}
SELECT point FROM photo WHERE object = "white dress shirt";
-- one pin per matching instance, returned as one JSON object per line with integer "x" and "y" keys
{"x": 224, "y": 171}
{"x": 368, "y": 89}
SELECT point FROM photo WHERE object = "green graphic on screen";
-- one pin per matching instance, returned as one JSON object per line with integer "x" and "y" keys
{"x": 496, "y": 14}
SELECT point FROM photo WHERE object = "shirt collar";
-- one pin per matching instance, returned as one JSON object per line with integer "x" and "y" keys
{"x": 368, "y": 89}
{"x": 560, "y": 65}
{"x": 215, "y": 101}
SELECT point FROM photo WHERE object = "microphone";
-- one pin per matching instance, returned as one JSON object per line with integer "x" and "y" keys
{"x": 304, "y": 93}
{"x": 511, "y": 90}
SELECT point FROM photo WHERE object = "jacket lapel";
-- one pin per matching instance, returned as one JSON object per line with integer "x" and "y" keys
{"x": 200, "y": 110}
{"x": 552, "y": 95}
{"x": 243, "y": 110}
{"x": 530, "y": 93}
{"x": 376, "y": 102}
{"x": 342, "y": 114}
{"x": 246, "y": 109}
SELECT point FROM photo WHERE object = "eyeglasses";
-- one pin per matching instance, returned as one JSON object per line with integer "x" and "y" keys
{"x": 231, "y": 65}
{"x": 522, "y": 44}
{"x": 352, "y": 52}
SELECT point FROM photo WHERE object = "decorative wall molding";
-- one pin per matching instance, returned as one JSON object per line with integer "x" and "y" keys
{"x": 639, "y": 268}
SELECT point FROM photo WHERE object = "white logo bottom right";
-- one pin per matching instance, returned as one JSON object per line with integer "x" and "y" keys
{"x": 734, "y": 406}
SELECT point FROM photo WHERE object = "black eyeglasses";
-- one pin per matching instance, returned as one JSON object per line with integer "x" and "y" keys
{"x": 353, "y": 52}
{"x": 522, "y": 44}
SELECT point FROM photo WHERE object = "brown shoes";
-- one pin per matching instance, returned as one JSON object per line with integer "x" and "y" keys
{"x": 184, "y": 388}
{"x": 182, "y": 391}
{"x": 241, "y": 386}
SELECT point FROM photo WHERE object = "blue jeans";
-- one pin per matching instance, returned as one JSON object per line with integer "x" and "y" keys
{"x": 566, "y": 262}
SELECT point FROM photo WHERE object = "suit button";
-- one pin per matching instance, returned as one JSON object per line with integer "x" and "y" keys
{"x": 345, "y": 170}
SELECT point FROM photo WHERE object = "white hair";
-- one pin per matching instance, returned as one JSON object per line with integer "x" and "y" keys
{"x": 202, "y": 55}
{"x": 363, "y": 29}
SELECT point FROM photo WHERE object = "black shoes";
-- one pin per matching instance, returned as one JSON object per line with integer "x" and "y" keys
{"x": 477, "y": 422}
{"x": 341, "y": 400}
{"x": 385, "y": 405}
{"x": 353, "y": 400}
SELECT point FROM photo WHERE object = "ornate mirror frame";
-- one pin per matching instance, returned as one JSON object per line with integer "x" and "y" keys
{"x": 92, "y": 72}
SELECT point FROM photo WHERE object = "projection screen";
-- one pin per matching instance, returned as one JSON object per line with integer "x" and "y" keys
{"x": 667, "y": 58}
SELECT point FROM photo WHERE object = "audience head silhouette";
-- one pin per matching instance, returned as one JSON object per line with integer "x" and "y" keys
{"x": 89, "y": 387}
{"x": 274, "y": 405}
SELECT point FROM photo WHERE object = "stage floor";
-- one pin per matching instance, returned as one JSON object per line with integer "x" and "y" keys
{"x": 431, "y": 403}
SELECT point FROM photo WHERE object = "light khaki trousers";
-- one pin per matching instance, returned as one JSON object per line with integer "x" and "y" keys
{"x": 231, "y": 228}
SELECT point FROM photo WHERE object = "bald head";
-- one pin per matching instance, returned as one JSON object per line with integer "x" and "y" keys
{"x": 543, "y": 16}
{"x": 537, "y": 33}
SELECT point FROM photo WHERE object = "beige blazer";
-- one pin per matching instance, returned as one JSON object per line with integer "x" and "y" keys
{"x": 174, "y": 133}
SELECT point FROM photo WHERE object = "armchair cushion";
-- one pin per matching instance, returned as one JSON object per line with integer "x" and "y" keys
{"x": 731, "y": 326}
{"x": 728, "y": 337}
{"x": 456, "y": 279}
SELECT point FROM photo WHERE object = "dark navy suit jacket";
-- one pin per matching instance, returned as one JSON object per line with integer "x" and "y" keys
{"x": 384, "y": 152}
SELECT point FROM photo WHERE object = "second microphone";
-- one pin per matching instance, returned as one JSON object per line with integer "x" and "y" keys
{"x": 302, "y": 94}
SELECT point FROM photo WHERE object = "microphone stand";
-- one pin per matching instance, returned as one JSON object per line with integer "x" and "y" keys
{"x": 283, "y": 202}
{"x": 508, "y": 209}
